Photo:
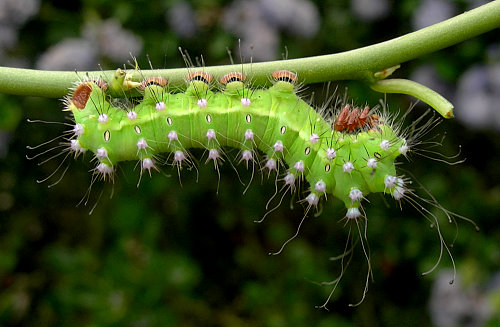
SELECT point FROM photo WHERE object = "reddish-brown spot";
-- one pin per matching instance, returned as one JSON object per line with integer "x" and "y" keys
{"x": 364, "y": 115}
{"x": 341, "y": 119}
{"x": 353, "y": 121}
{"x": 350, "y": 120}
{"x": 81, "y": 95}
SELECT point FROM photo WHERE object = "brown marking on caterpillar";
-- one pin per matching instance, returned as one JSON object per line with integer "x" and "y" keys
{"x": 200, "y": 76}
{"x": 102, "y": 84}
{"x": 232, "y": 77}
{"x": 364, "y": 115}
{"x": 160, "y": 81}
{"x": 351, "y": 120}
{"x": 285, "y": 76}
{"x": 81, "y": 95}
{"x": 341, "y": 119}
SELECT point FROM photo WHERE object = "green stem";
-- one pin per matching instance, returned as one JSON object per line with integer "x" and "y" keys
{"x": 355, "y": 64}
{"x": 404, "y": 86}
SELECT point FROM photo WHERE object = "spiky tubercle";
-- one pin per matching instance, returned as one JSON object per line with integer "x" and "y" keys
{"x": 348, "y": 165}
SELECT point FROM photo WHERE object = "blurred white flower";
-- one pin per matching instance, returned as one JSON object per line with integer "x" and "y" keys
{"x": 369, "y": 10}
{"x": 16, "y": 12}
{"x": 457, "y": 305}
{"x": 13, "y": 14}
{"x": 478, "y": 96}
{"x": 244, "y": 19}
{"x": 113, "y": 41}
{"x": 297, "y": 17}
{"x": 433, "y": 11}
{"x": 182, "y": 20}
{"x": 258, "y": 23}
{"x": 69, "y": 54}
{"x": 102, "y": 38}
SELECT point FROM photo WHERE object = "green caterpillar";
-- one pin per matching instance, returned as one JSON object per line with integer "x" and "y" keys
{"x": 345, "y": 152}
{"x": 347, "y": 156}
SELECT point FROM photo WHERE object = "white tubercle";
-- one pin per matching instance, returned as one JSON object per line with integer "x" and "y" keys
{"x": 76, "y": 147}
{"x": 245, "y": 102}
{"x": 271, "y": 164}
{"x": 248, "y": 134}
{"x": 314, "y": 138}
{"x": 331, "y": 153}
{"x": 213, "y": 154}
{"x": 390, "y": 181}
{"x": 320, "y": 186}
{"x": 103, "y": 118}
{"x": 399, "y": 190}
{"x": 101, "y": 153}
{"x": 403, "y": 149}
{"x": 142, "y": 144}
{"x": 78, "y": 129}
{"x": 211, "y": 134}
{"x": 353, "y": 213}
{"x": 147, "y": 163}
{"x": 104, "y": 169}
{"x": 372, "y": 163}
{"x": 202, "y": 103}
{"x": 348, "y": 167}
{"x": 246, "y": 155}
{"x": 398, "y": 193}
{"x": 278, "y": 146}
{"x": 172, "y": 136}
{"x": 132, "y": 115}
{"x": 289, "y": 179}
{"x": 312, "y": 199}
{"x": 299, "y": 166}
{"x": 385, "y": 145}
{"x": 355, "y": 195}
{"x": 160, "y": 106}
{"x": 179, "y": 156}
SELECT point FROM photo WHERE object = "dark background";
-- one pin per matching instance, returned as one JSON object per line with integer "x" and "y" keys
{"x": 166, "y": 255}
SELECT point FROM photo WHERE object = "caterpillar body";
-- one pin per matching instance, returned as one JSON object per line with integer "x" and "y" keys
{"x": 347, "y": 156}
{"x": 346, "y": 152}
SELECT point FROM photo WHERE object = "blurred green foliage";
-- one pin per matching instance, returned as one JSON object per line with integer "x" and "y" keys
{"x": 170, "y": 255}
